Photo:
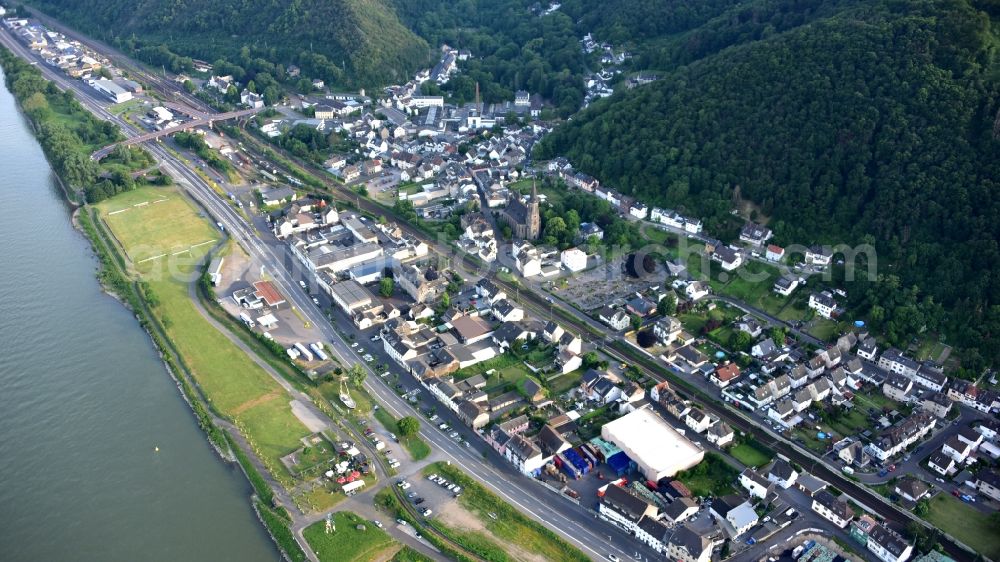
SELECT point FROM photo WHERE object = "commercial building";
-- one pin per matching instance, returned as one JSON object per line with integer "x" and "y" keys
{"x": 658, "y": 449}
{"x": 112, "y": 91}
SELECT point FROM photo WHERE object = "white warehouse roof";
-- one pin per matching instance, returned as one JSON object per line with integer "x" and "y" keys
{"x": 658, "y": 449}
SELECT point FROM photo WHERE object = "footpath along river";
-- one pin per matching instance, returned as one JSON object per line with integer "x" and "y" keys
{"x": 84, "y": 400}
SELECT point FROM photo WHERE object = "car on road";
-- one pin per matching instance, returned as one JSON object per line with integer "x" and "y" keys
{"x": 613, "y": 558}
{"x": 940, "y": 480}
{"x": 393, "y": 436}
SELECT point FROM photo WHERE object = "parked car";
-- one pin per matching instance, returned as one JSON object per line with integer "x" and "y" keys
{"x": 418, "y": 501}
{"x": 377, "y": 523}
{"x": 426, "y": 512}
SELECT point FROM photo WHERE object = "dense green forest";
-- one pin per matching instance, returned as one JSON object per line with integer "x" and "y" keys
{"x": 344, "y": 42}
{"x": 870, "y": 122}
{"x": 512, "y": 48}
{"x": 68, "y": 134}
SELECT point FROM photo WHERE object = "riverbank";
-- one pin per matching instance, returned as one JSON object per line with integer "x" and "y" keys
{"x": 55, "y": 118}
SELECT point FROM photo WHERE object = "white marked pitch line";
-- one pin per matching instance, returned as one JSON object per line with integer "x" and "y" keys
{"x": 143, "y": 204}
{"x": 160, "y": 201}
{"x": 118, "y": 211}
{"x": 152, "y": 258}
{"x": 203, "y": 243}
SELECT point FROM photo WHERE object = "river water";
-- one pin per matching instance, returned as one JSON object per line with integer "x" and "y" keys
{"x": 84, "y": 401}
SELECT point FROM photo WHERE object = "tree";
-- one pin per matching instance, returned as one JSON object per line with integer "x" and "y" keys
{"x": 778, "y": 335}
{"x": 667, "y": 305}
{"x": 357, "y": 374}
{"x": 591, "y": 360}
{"x": 446, "y": 300}
{"x": 386, "y": 286}
{"x": 408, "y": 426}
{"x": 740, "y": 341}
{"x": 645, "y": 338}
{"x": 636, "y": 321}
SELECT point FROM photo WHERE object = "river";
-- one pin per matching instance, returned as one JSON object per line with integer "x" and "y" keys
{"x": 84, "y": 402}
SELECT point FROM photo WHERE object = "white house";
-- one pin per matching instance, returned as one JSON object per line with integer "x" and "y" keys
{"x": 738, "y": 517}
{"x": 696, "y": 290}
{"x": 887, "y": 545}
{"x": 774, "y": 253}
{"x": 574, "y": 259}
{"x": 616, "y": 318}
{"x": 782, "y": 474}
{"x": 819, "y": 255}
{"x": 834, "y": 510}
{"x": 755, "y": 484}
{"x": 653, "y": 533}
{"x": 823, "y": 303}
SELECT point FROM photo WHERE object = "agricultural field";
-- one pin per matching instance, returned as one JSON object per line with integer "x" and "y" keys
{"x": 233, "y": 384}
{"x": 350, "y": 539}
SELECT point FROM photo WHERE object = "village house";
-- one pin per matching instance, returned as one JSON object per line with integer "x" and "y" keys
{"x": 619, "y": 506}
{"x": 755, "y": 234}
{"x": 887, "y": 545}
{"x": 687, "y": 545}
{"x": 834, "y": 510}
{"x": 823, "y": 303}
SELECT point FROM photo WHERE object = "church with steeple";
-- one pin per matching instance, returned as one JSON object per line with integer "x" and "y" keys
{"x": 523, "y": 218}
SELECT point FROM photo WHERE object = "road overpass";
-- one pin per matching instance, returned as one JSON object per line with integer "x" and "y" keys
{"x": 199, "y": 120}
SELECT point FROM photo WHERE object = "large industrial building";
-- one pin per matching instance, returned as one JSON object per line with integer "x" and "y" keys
{"x": 658, "y": 449}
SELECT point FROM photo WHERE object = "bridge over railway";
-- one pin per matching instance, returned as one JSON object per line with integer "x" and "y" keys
{"x": 198, "y": 119}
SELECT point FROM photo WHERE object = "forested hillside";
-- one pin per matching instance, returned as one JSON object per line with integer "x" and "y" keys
{"x": 844, "y": 122}
{"x": 512, "y": 48}
{"x": 345, "y": 42}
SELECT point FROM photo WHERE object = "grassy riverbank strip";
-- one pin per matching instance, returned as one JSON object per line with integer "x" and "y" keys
{"x": 61, "y": 124}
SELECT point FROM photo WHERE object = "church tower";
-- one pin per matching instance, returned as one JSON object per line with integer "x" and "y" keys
{"x": 534, "y": 218}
